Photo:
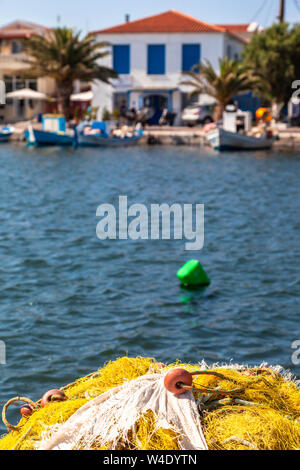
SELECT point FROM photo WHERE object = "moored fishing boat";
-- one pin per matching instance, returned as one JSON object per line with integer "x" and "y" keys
{"x": 220, "y": 139}
{"x": 97, "y": 134}
{"x": 5, "y": 133}
{"x": 53, "y": 132}
{"x": 41, "y": 137}
{"x": 236, "y": 133}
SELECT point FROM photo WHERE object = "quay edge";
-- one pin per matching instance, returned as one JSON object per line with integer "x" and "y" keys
{"x": 289, "y": 139}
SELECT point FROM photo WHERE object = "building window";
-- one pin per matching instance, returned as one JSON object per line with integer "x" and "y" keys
{"x": 191, "y": 56}
{"x": 16, "y": 47}
{"x": 13, "y": 83}
{"x": 229, "y": 52}
{"x": 121, "y": 59}
{"x": 156, "y": 59}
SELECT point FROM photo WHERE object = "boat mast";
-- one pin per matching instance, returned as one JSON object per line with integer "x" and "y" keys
{"x": 281, "y": 11}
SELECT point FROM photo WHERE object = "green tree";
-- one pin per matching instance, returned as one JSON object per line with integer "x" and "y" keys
{"x": 65, "y": 57}
{"x": 223, "y": 85}
{"x": 273, "y": 56}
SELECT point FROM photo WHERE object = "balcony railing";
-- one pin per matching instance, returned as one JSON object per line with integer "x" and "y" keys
{"x": 12, "y": 58}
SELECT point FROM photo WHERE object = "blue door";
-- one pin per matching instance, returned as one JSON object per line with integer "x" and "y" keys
{"x": 157, "y": 103}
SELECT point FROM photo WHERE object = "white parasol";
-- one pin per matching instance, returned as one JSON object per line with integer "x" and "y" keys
{"x": 26, "y": 94}
{"x": 85, "y": 96}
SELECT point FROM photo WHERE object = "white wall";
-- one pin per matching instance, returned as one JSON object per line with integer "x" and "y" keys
{"x": 212, "y": 48}
{"x": 235, "y": 45}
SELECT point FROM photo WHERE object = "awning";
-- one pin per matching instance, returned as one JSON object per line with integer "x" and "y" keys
{"x": 85, "y": 96}
{"x": 26, "y": 94}
{"x": 206, "y": 100}
{"x": 150, "y": 89}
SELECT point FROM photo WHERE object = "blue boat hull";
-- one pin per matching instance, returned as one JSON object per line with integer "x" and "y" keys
{"x": 4, "y": 137}
{"x": 104, "y": 140}
{"x": 91, "y": 141}
{"x": 6, "y": 133}
{"x": 223, "y": 140}
{"x": 98, "y": 141}
{"x": 49, "y": 138}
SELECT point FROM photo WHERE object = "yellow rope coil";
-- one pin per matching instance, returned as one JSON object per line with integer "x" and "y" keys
{"x": 13, "y": 400}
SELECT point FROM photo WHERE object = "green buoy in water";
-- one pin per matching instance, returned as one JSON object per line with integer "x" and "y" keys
{"x": 193, "y": 274}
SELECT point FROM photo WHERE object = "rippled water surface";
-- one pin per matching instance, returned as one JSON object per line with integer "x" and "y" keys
{"x": 69, "y": 302}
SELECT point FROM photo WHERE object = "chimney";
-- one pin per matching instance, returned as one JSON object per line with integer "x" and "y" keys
{"x": 127, "y": 18}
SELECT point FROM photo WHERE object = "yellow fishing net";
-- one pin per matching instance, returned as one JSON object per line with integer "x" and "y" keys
{"x": 265, "y": 416}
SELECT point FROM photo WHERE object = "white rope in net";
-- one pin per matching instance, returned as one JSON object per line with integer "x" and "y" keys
{"x": 109, "y": 417}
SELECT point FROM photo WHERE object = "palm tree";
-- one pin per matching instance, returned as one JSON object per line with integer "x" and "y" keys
{"x": 65, "y": 57}
{"x": 231, "y": 79}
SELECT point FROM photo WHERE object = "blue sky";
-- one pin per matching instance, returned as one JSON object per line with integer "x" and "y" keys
{"x": 97, "y": 14}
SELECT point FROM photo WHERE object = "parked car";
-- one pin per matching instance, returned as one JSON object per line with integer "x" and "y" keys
{"x": 197, "y": 114}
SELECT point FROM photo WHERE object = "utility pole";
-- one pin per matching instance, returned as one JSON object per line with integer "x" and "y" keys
{"x": 281, "y": 11}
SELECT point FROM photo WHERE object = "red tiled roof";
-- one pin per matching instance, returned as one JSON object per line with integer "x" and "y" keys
{"x": 15, "y": 35}
{"x": 171, "y": 21}
{"x": 236, "y": 28}
{"x": 21, "y": 30}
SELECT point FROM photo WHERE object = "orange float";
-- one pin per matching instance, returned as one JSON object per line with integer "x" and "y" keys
{"x": 264, "y": 114}
{"x": 26, "y": 411}
{"x": 52, "y": 395}
{"x": 175, "y": 378}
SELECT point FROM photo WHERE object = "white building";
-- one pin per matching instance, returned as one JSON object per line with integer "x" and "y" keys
{"x": 150, "y": 55}
{"x": 12, "y": 58}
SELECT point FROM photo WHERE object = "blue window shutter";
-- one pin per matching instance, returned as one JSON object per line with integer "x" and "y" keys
{"x": 191, "y": 55}
{"x": 156, "y": 59}
{"x": 121, "y": 59}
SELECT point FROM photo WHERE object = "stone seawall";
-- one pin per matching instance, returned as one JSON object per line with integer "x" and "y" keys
{"x": 289, "y": 139}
